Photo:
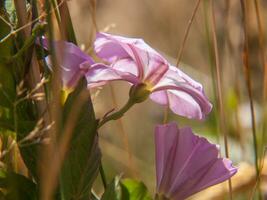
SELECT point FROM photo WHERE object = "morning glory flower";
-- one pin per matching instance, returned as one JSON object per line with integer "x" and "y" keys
{"x": 69, "y": 57}
{"x": 187, "y": 163}
{"x": 134, "y": 61}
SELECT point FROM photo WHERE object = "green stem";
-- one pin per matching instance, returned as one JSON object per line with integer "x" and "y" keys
{"x": 102, "y": 174}
{"x": 118, "y": 114}
{"x": 37, "y": 31}
{"x": 113, "y": 116}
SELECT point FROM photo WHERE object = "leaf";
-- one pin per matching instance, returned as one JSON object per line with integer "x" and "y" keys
{"x": 6, "y": 45}
{"x": 82, "y": 161}
{"x": 7, "y": 83}
{"x": 18, "y": 187}
{"x": 136, "y": 189}
{"x": 7, "y": 87}
{"x": 115, "y": 191}
{"x": 25, "y": 124}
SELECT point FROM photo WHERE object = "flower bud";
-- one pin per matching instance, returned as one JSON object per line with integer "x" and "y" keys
{"x": 139, "y": 93}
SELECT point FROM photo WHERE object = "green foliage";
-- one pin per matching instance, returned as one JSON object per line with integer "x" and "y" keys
{"x": 7, "y": 85}
{"x": 115, "y": 191}
{"x": 136, "y": 189}
{"x": 83, "y": 158}
{"x": 127, "y": 189}
{"x": 17, "y": 187}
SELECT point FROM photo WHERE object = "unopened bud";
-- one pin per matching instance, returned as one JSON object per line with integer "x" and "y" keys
{"x": 139, "y": 93}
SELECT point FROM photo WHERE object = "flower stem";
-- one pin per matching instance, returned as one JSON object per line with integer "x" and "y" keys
{"x": 118, "y": 114}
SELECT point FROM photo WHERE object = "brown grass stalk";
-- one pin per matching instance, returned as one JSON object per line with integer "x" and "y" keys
{"x": 57, "y": 159}
{"x": 261, "y": 45}
{"x": 248, "y": 79}
{"x": 34, "y": 76}
{"x": 47, "y": 153}
{"x": 248, "y": 83}
{"x": 219, "y": 90}
{"x": 180, "y": 53}
{"x": 187, "y": 30}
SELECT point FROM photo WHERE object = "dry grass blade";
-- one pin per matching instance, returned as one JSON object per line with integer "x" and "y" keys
{"x": 180, "y": 53}
{"x": 29, "y": 24}
{"x": 55, "y": 110}
{"x": 248, "y": 81}
{"x": 261, "y": 45}
{"x": 219, "y": 89}
{"x": 61, "y": 149}
{"x": 179, "y": 56}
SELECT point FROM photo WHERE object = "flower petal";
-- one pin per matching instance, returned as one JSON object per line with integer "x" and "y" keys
{"x": 163, "y": 147}
{"x": 184, "y": 96}
{"x": 113, "y": 48}
{"x": 218, "y": 172}
{"x": 69, "y": 57}
{"x": 186, "y": 163}
{"x": 100, "y": 74}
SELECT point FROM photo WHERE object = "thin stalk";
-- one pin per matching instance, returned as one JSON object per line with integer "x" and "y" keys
{"x": 62, "y": 146}
{"x": 219, "y": 90}
{"x": 125, "y": 139}
{"x": 66, "y": 27}
{"x": 56, "y": 9}
{"x": 117, "y": 114}
{"x": 258, "y": 181}
{"x": 13, "y": 32}
{"x": 211, "y": 60}
{"x": 261, "y": 39}
{"x": 179, "y": 56}
{"x": 103, "y": 176}
{"x": 248, "y": 81}
{"x": 93, "y": 30}
{"x": 180, "y": 52}
{"x": 261, "y": 45}
{"x": 55, "y": 108}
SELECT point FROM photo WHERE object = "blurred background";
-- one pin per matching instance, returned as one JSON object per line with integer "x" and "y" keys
{"x": 128, "y": 144}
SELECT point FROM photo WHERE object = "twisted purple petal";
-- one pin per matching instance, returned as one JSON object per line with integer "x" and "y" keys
{"x": 184, "y": 96}
{"x": 112, "y": 48}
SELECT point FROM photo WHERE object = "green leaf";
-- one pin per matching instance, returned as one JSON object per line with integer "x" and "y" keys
{"x": 136, "y": 189}
{"x": 7, "y": 83}
{"x": 82, "y": 161}
{"x": 115, "y": 191}
{"x": 25, "y": 124}
{"x": 5, "y": 45}
{"x": 18, "y": 187}
{"x": 7, "y": 87}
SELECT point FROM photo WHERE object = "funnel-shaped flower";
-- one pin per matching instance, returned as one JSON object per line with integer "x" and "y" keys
{"x": 187, "y": 163}
{"x": 134, "y": 61}
{"x": 69, "y": 57}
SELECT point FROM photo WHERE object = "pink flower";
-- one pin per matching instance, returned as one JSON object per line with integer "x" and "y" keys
{"x": 69, "y": 57}
{"x": 187, "y": 163}
{"x": 134, "y": 61}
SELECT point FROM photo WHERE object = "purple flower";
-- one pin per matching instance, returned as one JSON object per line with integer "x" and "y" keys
{"x": 187, "y": 163}
{"x": 134, "y": 61}
{"x": 69, "y": 57}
